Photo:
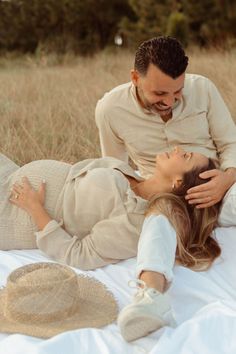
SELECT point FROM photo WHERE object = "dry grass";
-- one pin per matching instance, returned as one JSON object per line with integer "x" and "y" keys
{"x": 47, "y": 105}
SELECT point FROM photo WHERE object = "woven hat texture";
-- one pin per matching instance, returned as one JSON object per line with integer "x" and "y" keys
{"x": 45, "y": 299}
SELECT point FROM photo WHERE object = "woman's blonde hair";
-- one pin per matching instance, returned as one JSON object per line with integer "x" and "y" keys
{"x": 196, "y": 245}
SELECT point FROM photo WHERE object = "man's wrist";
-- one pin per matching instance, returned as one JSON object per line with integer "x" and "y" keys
{"x": 231, "y": 173}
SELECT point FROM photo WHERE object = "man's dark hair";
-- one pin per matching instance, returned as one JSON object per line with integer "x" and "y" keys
{"x": 166, "y": 53}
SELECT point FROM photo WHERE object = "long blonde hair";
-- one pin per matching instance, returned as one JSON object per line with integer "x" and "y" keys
{"x": 196, "y": 245}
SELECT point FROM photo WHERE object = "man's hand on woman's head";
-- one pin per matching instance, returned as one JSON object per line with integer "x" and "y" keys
{"x": 212, "y": 192}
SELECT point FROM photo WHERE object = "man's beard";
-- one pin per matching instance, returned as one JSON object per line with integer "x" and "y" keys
{"x": 156, "y": 108}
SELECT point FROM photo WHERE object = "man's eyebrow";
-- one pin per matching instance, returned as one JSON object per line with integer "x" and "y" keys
{"x": 164, "y": 92}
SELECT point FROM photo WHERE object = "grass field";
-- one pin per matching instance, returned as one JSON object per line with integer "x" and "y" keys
{"x": 47, "y": 103}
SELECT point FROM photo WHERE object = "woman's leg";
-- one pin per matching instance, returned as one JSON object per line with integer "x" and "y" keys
{"x": 150, "y": 308}
{"x": 154, "y": 280}
{"x": 156, "y": 252}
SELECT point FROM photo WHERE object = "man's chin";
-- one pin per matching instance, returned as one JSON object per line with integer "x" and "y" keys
{"x": 165, "y": 111}
{"x": 162, "y": 112}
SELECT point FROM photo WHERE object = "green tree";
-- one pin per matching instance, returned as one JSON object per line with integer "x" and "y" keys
{"x": 211, "y": 22}
{"x": 151, "y": 18}
{"x": 94, "y": 23}
{"x": 80, "y": 25}
{"x": 177, "y": 26}
{"x": 8, "y": 25}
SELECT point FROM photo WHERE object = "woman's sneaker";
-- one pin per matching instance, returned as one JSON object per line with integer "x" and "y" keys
{"x": 149, "y": 311}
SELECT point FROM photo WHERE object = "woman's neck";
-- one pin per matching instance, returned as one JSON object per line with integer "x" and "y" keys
{"x": 148, "y": 188}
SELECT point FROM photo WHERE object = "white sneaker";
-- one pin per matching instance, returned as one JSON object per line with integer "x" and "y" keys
{"x": 149, "y": 311}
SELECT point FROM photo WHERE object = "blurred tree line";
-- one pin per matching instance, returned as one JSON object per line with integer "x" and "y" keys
{"x": 86, "y": 26}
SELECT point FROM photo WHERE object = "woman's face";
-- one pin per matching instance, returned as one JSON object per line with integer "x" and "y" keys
{"x": 174, "y": 164}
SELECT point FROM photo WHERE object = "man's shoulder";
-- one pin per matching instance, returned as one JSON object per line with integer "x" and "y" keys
{"x": 115, "y": 96}
{"x": 195, "y": 82}
{"x": 196, "y": 78}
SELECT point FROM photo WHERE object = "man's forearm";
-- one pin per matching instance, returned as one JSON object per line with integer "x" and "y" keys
{"x": 231, "y": 173}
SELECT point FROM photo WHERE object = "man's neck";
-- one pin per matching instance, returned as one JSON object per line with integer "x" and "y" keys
{"x": 166, "y": 117}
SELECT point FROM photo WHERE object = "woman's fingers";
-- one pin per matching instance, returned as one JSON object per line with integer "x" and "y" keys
{"x": 25, "y": 182}
{"x": 16, "y": 189}
{"x": 14, "y": 198}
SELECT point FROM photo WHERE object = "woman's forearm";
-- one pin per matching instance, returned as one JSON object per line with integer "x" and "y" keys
{"x": 40, "y": 216}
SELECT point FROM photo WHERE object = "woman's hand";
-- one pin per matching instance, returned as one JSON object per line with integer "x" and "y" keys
{"x": 32, "y": 201}
{"x": 26, "y": 197}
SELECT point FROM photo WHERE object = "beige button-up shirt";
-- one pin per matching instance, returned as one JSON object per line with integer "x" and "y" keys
{"x": 200, "y": 123}
{"x": 101, "y": 217}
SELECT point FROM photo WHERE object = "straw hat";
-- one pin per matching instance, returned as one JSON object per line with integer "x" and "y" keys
{"x": 44, "y": 299}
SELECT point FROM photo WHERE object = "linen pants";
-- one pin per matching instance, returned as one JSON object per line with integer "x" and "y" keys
{"x": 157, "y": 243}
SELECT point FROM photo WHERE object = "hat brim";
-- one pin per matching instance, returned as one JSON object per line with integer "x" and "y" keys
{"x": 96, "y": 308}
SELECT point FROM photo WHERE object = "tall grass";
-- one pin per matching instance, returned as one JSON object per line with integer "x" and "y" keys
{"x": 47, "y": 103}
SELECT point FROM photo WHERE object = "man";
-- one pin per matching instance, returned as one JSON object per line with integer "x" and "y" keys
{"x": 163, "y": 107}
{"x": 160, "y": 108}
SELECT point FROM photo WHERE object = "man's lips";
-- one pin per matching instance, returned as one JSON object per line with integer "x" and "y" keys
{"x": 161, "y": 107}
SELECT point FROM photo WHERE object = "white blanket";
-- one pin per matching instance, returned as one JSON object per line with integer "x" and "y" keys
{"x": 204, "y": 305}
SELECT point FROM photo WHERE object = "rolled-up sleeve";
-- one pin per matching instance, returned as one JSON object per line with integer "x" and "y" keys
{"x": 110, "y": 241}
{"x": 222, "y": 128}
{"x": 111, "y": 144}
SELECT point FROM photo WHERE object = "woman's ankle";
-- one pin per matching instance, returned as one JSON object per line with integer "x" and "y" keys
{"x": 154, "y": 280}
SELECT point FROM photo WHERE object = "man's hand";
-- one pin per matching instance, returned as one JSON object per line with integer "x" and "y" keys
{"x": 210, "y": 193}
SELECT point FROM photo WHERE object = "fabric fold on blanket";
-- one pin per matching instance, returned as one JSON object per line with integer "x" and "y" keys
{"x": 204, "y": 305}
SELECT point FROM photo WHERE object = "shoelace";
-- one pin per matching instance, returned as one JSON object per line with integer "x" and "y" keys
{"x": 135, "y": 284}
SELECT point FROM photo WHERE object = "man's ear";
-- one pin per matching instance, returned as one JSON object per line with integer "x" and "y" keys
{"x": 177, "y": 183}
{"x": 134, "y": 76}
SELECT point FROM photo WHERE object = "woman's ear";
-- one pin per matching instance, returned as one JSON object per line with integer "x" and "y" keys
{"x": 177, "y": 183}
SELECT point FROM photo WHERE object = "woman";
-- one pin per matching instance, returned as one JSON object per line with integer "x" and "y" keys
{"x": 173, "y": 232}
{"x": 89, "y": 214}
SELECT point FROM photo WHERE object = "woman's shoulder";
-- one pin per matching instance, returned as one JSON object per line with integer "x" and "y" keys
{"x": 106, "y": 163}
{"x": 107, "y": 178}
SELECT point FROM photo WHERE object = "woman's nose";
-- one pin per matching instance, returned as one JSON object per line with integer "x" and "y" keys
{"x": 178, "y": 150}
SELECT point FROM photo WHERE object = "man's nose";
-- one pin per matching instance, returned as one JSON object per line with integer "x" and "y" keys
{"x": 169, "y": 101}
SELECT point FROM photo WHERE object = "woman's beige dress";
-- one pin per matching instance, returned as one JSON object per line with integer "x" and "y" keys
{"x": 97, "y": 218}
{"x": 16, "y": 226}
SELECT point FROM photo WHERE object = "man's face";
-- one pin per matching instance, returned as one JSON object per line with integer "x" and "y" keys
{"x": 157, "y": 91}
